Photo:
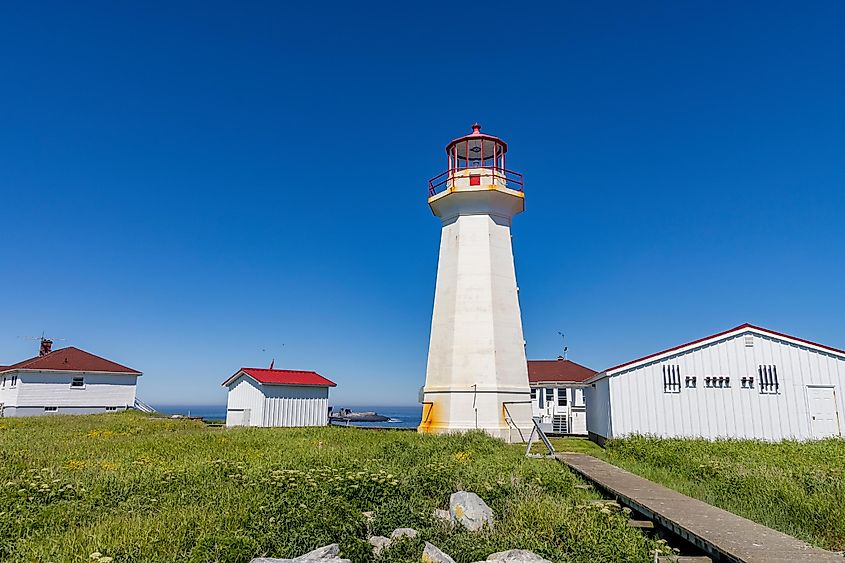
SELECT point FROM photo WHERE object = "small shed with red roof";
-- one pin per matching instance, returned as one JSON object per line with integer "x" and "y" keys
{"x": 557, "y": 395}
{"x": 277, "y": 397}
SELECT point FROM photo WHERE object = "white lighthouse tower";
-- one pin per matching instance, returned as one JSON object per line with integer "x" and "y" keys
{"x": 477, "y": 376}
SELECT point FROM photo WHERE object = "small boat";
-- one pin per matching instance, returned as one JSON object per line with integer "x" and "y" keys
{"x": 348, "y": 415}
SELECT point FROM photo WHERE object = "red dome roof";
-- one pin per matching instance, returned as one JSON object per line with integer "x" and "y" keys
{"x": 478, "y": 143}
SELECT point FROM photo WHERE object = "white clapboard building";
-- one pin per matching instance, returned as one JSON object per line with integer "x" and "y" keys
{"x": 557, "y": 395}
{"x": 277, "y": 397}
{"x": 65, "y": 381}
{"x": 747, "y": 382}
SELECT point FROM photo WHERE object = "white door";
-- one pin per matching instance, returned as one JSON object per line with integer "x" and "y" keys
{"x": 550, "y": 402}
{"x": 579, "y": 422}
{"x": 237, "y": 417}
{"x": 824, "y": 421}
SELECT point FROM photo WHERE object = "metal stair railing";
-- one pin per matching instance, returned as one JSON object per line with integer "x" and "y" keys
{"x": 143, "y": 407}
{"x": 539, "y": 432}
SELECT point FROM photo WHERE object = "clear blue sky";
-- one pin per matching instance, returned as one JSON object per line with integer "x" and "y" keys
{"x": 189, "y": 188}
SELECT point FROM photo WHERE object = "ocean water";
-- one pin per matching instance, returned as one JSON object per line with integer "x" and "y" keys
{"x": 400, "y": 417}
{"x": 207, "y": 412}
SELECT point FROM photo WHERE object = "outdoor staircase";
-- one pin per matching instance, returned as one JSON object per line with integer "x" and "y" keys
{"x": 143, "y": 407}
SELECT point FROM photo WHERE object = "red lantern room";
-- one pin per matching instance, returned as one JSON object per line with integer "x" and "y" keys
{"x": 476, "y": 159}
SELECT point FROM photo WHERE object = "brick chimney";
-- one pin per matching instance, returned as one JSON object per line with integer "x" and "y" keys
{"x": 46, "y": 346}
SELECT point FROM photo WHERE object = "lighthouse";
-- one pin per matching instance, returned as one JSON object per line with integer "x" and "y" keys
{"x": 477, "y": 375}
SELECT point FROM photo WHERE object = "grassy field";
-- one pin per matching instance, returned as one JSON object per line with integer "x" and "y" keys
{"x": 132, "y": 488}
{"x": 797, "y": 488}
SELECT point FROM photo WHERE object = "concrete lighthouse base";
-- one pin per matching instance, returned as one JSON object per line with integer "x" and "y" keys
{"x": 477, "y": 375}
{"x": 503, "y": 415}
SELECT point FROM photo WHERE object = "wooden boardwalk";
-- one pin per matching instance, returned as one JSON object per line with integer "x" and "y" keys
{"x": 722, "y": 535}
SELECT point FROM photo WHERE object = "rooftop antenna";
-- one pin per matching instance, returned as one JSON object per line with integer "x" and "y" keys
{"x": 565, "y": 347}
{"x": 45, "y": 344}
{"x": 272, "y": 361}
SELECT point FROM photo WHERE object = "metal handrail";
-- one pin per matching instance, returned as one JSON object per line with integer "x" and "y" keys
{"x": 513, "y": 180}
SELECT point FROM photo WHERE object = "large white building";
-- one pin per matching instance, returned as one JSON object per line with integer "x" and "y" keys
{"x": 277, "y": 397}
{"x": 747, "y": 382}
{"x": 476, "y": 377}
{"x": 557, "y": 395}
{"x": 65, "y": 381}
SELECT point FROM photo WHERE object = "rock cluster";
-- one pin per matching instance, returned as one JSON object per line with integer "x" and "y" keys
{"x": 517, "y": 556}
{"x": 465, "y": 509}
{"x": 327, "y": 554}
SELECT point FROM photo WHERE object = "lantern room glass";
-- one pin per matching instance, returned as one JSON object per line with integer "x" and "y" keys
{"x": 476, "y": 150}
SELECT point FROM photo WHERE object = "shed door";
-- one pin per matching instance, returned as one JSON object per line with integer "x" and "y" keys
{"x": 824, "y": 421}
{"x": 237, "y": 417}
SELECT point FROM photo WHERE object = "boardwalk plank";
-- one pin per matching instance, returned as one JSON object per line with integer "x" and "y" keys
{"x": 722, "y": 534}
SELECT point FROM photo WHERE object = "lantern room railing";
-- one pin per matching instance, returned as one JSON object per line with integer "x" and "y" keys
{"x": 511, "y": 180}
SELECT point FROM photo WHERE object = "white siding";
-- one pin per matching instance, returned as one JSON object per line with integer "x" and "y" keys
{"x": 638, "y": 404}
{"x": 290, "y": 405}
{"x": 245, "y": 394}
{"x": 597, "y": 397}
{"x": 277, "y": 405}
{"x": 572, "y": 411}
{"x": 52, "y": 389}
{"x": 8, "y": 394}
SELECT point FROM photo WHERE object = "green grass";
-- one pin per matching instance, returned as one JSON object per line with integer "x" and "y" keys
{"x": 133, "y": 488}
{"x": 797, "y": 488}
{"x": 569, "y": 444}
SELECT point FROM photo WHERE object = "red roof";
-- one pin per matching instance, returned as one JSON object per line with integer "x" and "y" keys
{"x": 283, "y": 377}
{"x": 558, "y": 370}
{"x": 725, "y": 333}
{"x": 71, "y": 359}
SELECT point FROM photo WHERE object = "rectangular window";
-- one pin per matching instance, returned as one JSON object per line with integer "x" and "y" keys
{"x": 550, "y": 395}
{"x": 747, "y": 382}
{"x": 14, "y": 380}
{"x": 692, "y": 382}
{"x": 767, "y": 375}
{"x": 533, "y": 394}
{"x": 4, "y": 382}
{"x": 111, "y": 408}
{"x": 51, "y": 409}
{"x": 672, "y": 379}
{"x": 77, "y": 382}
{"x": 562, "y": 397}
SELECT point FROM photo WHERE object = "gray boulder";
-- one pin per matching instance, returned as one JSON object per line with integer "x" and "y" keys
{"x": 403, "y": 533}
{"x": 326, "y": 554}
{"x": 432, "y": 554}
{"x": 379, "y": 543}
{"x": 470, "y": 511}
{"x": 517, "y": 556}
